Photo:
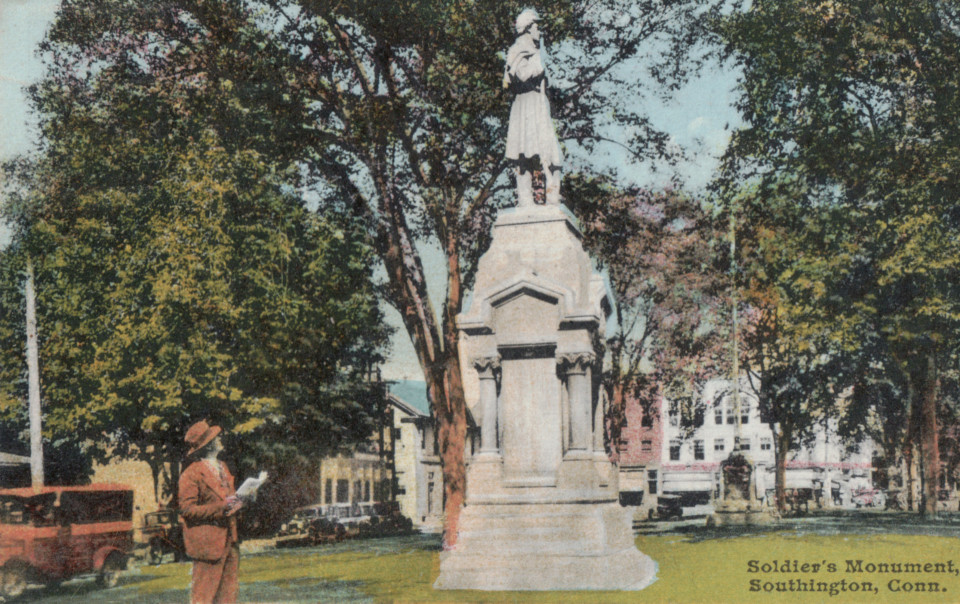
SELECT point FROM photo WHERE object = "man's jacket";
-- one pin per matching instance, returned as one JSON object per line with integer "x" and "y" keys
{"x": 207, "y": 530}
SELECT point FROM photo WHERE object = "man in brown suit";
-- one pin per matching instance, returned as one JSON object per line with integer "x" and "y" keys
{"x": 208, "y": 506}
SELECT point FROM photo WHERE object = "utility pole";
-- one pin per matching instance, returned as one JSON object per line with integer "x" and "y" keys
{"x": 736, "y": 348}
{"x": 33, "y": 383}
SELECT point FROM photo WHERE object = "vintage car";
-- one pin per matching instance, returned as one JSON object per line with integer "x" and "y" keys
{"x": 51, "y": 534}
{"x": 668, "y": 506}
{"x": 326, "y": 530}
{"x": 301, "y": 521}
{"x": 386, "y": 520}
{"x": 163, "y": 534}
{"x": 866, "y": 497}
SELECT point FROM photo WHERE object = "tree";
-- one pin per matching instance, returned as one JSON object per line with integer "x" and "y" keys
{"x": 396, "y": 110}
{"x": 858, "y": 103}
{"x": 671, "y": 297}
{"x": 179, "y": 279}
{"x": 796, "y": 363}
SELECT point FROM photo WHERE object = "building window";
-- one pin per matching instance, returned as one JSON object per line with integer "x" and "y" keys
{"x": 646, "y": 446}
{"x": 731, "y": 418}
{"x": 674, "y": 418}
{"x": 343, "y": 491}
{"x": 766, "y": 443}
{"x": 366, "y": 491}
{"x": 744, "y": 444}
{"x": 744, "y": 413}
{"x": 675, "y": 450}
{"x": 698, "y": 417}
{"x": 647, "y": 420}
{"x": 328, "y": 491}
{"x": 719, "y": 445}
{"x": 698, "y": 449}
{"x": 652, "y": 481}
{"x": 718, "y": 414}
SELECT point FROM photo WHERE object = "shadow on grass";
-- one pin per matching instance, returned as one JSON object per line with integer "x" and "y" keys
{"x": 374, "y": 546}
{"x": 945, "y": 524}
{"x": 304, "y": 589}
{"x": 87, "y": 589}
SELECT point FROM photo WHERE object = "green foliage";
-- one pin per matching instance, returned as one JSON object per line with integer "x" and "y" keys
{"x": 854, "y": 106}
{"x": 852, "y": 120}
{"x": 180, "y": 273}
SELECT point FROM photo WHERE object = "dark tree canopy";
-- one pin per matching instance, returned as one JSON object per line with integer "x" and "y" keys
{"x": 851, "y": 111}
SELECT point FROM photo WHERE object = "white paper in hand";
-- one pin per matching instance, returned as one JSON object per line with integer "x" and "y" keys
{"x": 248, "y": 490}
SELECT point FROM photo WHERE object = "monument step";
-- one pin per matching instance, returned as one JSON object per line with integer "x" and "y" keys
{"x": 622, "y": 569}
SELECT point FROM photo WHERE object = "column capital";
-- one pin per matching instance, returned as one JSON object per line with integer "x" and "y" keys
{"x": 576, "y": 362}
{"x": 486, "y": 365}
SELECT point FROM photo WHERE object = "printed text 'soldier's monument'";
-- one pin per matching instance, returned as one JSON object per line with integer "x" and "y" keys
{"x": 541, "y": 510}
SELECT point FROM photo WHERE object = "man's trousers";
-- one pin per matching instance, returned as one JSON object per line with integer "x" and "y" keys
{"x": 216, "y": 582}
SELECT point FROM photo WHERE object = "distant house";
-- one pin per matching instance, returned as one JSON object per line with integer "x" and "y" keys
{"x": 419, "y": 475}
{"x": 368, "y": 474}
{"x": 659, "y": 455}
{"x": 640, "y": 457}
{"x": 691, "y": 461}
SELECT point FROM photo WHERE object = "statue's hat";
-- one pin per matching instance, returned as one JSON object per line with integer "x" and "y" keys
{"x": 526, "y": 17}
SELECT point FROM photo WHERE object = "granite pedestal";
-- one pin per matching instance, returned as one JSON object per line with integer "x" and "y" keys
{"x": 541, "y": 509}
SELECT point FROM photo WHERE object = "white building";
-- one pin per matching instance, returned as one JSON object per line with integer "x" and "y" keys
{"x": 419, "y": 488}
{"x": 690, "y": 459}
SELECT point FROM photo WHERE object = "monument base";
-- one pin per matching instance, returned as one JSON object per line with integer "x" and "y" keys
{"x": 740, "y": 513}
{"x": 546, "y": 546}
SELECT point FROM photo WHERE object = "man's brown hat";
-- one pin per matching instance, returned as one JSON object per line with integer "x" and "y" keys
{"x": 199, "y": 435}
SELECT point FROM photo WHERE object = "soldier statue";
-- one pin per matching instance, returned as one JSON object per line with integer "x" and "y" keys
{"x": 530, "y": 134}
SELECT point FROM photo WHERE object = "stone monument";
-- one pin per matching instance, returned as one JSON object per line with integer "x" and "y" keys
{"x": 541, "y": 510}
{"x": 739, "y": 504}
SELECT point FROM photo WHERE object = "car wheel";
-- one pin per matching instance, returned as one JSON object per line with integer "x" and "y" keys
{"x": 110, "y": 572}
{"x": 14, "y": 581}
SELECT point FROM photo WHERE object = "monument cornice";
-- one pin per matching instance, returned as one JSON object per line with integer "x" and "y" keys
{"x": 478, "y": 320}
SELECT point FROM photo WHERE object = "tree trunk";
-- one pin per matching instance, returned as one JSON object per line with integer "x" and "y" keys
{"x": 909, "y": 474}
{"x": 615, "y": 419}
{"x": 437, "y": 347}
{"x": 175, "y": 468}
{"x": 929, "y": 447}
{"x": 453, "y": 424}
{"x": 784, "y": 436}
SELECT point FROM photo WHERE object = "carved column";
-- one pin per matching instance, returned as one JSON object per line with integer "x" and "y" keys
{"x": 576, "y": 368}
{"x": 488, "y": 369}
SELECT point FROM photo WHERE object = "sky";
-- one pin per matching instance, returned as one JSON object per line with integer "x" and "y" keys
{"x": 698, "y": 119}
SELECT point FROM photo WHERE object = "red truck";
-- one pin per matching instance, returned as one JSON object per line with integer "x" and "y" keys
{"x": 52, "y": 534}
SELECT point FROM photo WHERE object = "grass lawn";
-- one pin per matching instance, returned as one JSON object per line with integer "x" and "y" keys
{"x": 696, "y": 565}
